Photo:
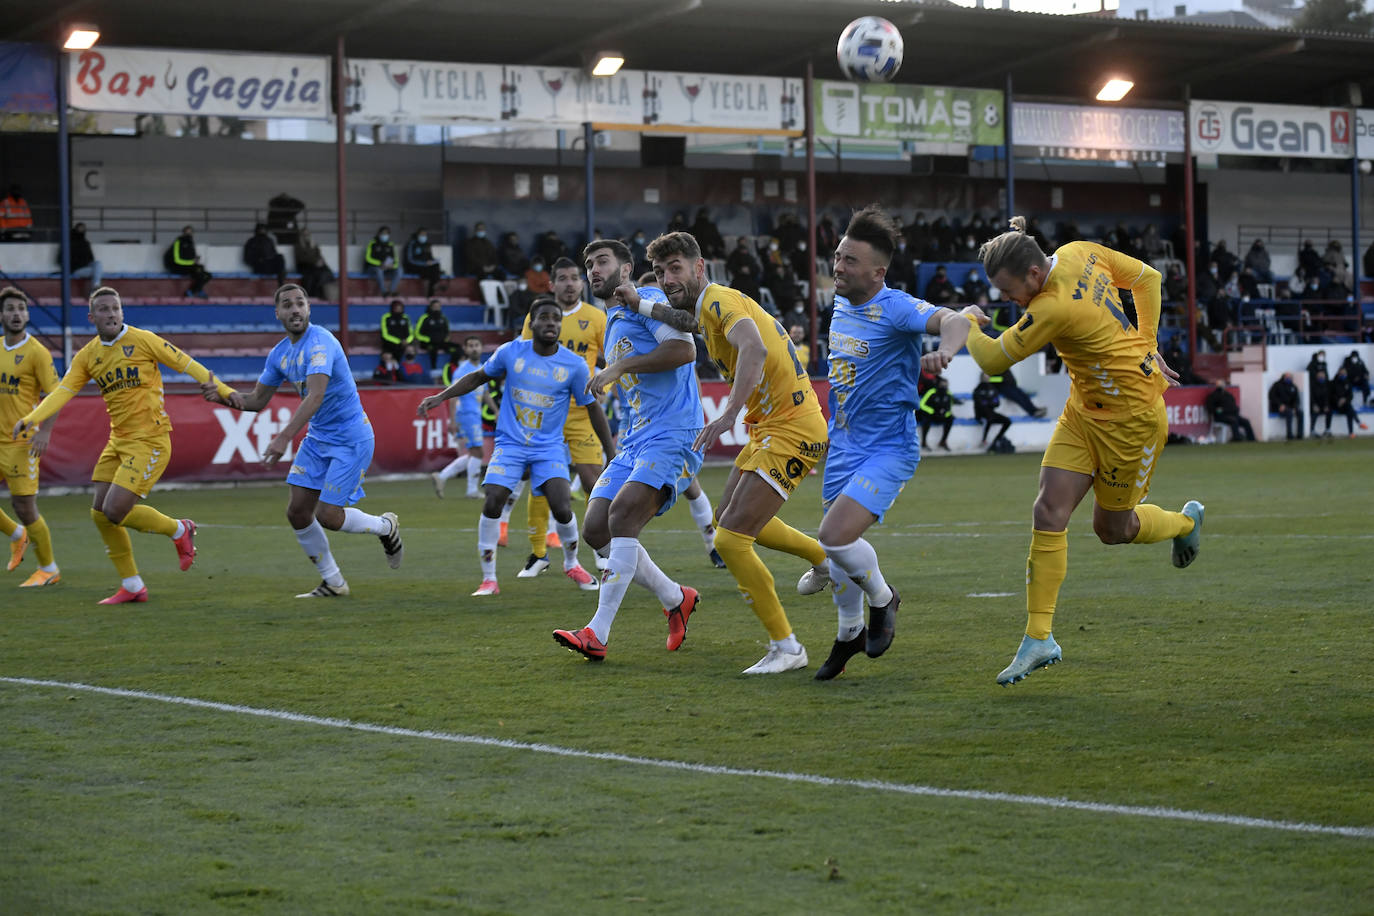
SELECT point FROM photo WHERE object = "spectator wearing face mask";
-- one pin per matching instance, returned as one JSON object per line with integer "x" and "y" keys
{"x": 479, "y": 254}
{"x": 1257, "y": 259}
{"x": 901, "y": 273}
{"x": 379, "y": 259}
{"x": 537, "y": 279}
{"x": 418, "y": 258}
{"x": 639, "y": 253}
{"x": 940, "y": 290}
{"x": 742, "y": 268}
{"x": 974, "y": 287}
{"x": 512, "y": 257}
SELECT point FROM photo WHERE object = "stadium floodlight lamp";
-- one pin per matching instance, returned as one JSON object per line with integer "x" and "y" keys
{"x": 81, "y": 37}
{"x": 1114, "y": 90}
{"x": 607, "y": 63}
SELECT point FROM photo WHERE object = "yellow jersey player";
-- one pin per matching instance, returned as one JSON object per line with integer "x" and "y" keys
{"x": 1114, "y": 425}
{"x": 584, "y": 330}
{"x": 125, "y": 362}
{"x": 26, "y": 374}
{"x": 787, "y": 431}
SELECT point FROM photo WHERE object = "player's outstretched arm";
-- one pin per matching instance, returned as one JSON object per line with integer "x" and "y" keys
{"x": 952, "y": 328}
{"x": 467, "y": 383}
{"x": 665, "y": 357}
{"x": 210, "y": 390}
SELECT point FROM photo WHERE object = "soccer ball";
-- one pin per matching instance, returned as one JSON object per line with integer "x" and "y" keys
{"x": 870, "y": 50}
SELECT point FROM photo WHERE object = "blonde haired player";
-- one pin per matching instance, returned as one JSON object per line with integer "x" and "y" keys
{"x": 787, "y": 431}
{"x": 125, "y": 362}
{"x": 1114, "y": 425}
{"x": 26, "y": 374}
{"x": 584, "y": 333}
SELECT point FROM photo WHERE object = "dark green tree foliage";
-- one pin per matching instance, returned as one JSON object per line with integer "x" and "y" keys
{"x": 1335, "y": 16}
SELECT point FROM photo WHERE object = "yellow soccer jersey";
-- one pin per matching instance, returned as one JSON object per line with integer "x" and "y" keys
{"x": 785, "y": 389}
{"x": 584, "y": 333}
{"x": 127, "y": 372}
{"x": 26, "y": 374}
{"x": 1111, "y": 362}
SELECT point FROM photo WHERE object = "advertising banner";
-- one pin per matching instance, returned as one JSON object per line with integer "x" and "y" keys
{"x": 214, "y": 443}
{"x": 147, "y": 81}
{"x": 1187, "y": 414}
{"x": 1244, "y": 129}
{"x": 1097, "y": 132}
{"x": 887, "y": 111}
{"x": 28, "y": 78}
{"x": 1364, "y": 133}
{"x": 409, "y": 91}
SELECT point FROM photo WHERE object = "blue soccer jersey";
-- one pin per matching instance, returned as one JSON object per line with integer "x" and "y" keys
{"x": 467, "y": 406}
{"x": 667, "y": 400}
{"x": 340, "y": 419}
{"x": 875, "y": 360}
{"x": 535, "y": 403}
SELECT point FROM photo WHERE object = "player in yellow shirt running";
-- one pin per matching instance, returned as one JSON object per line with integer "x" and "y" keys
{"x": 1114, "y": 425}
{"x": 787, "y": 431}
{"x": 26, "y": 374}
{"x": 124, "y": 362}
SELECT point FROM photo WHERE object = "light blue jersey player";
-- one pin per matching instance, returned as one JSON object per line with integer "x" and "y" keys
{"x": 466, "y": 424}
{"x": 541, "y": 375}
{"x": 327, "y": 472}
{"x": 653, "y": 368}
{"x": 875, "y": 354}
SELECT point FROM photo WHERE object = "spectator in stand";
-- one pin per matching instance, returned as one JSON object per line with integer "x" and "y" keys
{"x": 282, "y": 212}
{"x": 418, "y": 258}
{"x": 1033, "y": 230}
{"x": 969, "y": 251}
{"x": 396, "y": 330}
{"x": 1180, "y": 362}
{"x": 1286, "y": 401}
{"x": 511, "y": 258}
{"x": 84, "y": 263}
{"x": 519, "y": 307}
{"x": 917, "y": 234}
{"x": 1007, "y": 388}
{"x": 1358, "y": 373}
{"x": 985, "y": 402}
{"x": 1257, "y": 259}
{"x": 261, "y": 255}
{"x": 778, "y": 275}
{"x": 1343, "y": 403}
{"x": 480, "y": 258}
{"x": 790, "y": 231}
{"x": 1309, "y": 262}
{"x": 1226, "y": 262}
{"x": 537, "y": 279}
{"x": 679, "y": 222}
{"x": 743, "y": 269}
{"x": 707, "y": 235}
{"x": 797, "y": 334}
{"x": 379, "y": 261}
{"x": 16, "y": 220}
{"x": 936, "y": 406}
{"x": 431, "y": 332}
{"x": 1224, "y": 409}
{"x": 181, "y": 259}
{"x": 1175, "y": 285}
{"x": 827, "y": 238}
{"x": 940, "y": 243}
{"x": 1212, "y": 301}
{"x": 1338, "y": 270}
{"x": 796, "y": 316}
{"x": 412, "y": 373}
{"x": 551, "y": 247}
{"x": 316, "y": 277}
{"x": 800, "y": 261}
{"x": 388, "y": 371}
{"x": 901, "y": 272}
{"x": 1247, "y": 284}
{"x": 1150, "y": 243}
{"x": 974, "y": 288}
{"x": 639, "y": 253}
{"x": 1319, "y": 396}
{"x": 940, "y": 290}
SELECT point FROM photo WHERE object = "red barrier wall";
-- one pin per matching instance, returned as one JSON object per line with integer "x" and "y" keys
{"x": 1187, "y": 416}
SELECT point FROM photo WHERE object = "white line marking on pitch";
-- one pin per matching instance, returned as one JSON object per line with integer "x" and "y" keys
{"x": 1041, "y": 801}
{"x": 991, "y": 594}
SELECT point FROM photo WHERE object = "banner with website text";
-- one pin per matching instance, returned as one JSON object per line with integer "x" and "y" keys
{"x": 1096, "y": 132}
{"x": 412, "y": 91}
{"x": 150, "y": 81}
{"x": 892, "y": 111}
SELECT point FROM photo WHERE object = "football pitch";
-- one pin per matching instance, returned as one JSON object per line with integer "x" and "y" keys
{"x": 1207, "y": 744}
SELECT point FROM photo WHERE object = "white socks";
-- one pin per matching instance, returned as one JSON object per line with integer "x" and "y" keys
{"x": 356, "y": 521}
{"x": 315, "y": 543}
{"x": 568, "y": 535}
{"x": 648, "y": 575}
{"x": 701, "y": 515}
{"x": 849, "y": 602}
{"x": 620, "y": 573}
{"x": 860, "y": 562}
{"x": 789, "y": 644}
{"x": 455, "y": 467}
{"x": 181, "y": 529}
{"x": 488, "y": 533}
{"x": 510, "y": 502}
{"x": 132, "y": 584}
{"x": 19, "y": 532}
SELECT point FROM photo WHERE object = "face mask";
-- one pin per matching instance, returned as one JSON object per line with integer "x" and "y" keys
{"x": 639, "y": 239}
{"x": 901, "y": 246}
{"x": 522, "y": 285}
{"x": 384, "y": 237}
{"x": 422, "y": 239}
{"x": 969, "y": 243}
{"x": 801, "y": 246}
{"x": 481, "y": 233}
{"x": 1212, "y": 271}
{"x": 538, "y": 266}
{"x": 920, "y": 222}
{"x": 773, "y": 247}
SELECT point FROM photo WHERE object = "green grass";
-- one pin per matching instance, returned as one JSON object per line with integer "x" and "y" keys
{"x": 1240, "y": 686}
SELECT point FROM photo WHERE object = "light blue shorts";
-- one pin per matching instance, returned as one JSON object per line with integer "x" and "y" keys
{"x": 337, "y": 471}
{"x": 470, "y": 428}
{"x": 874, "y": 480}
{"x": 509, "y": 462}
{"x": 666, "y": 460}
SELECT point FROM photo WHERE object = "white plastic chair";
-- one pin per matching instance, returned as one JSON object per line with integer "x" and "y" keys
{"x": 497, "y": 301}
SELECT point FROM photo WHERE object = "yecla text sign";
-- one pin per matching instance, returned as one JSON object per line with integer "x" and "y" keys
{"x": 147, "y": 81}
{"x": 1241, "y": 129}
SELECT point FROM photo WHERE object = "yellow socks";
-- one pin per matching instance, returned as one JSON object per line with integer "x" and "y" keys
{"x": 754, "y": 580}
{"x": 8, "y": 525}
{"x": 150, "y": 521}
{"x": 41, "y": 539}
{"x": 778, "y": 535}
{"x": 539, "y": 524}
{"x": 117, "y": 544}
{"x": 1046, "y": 568}
{"x": 1158, "y": 524}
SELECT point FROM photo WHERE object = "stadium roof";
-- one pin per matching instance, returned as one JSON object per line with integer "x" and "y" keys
{"x": 1049, "y": 56}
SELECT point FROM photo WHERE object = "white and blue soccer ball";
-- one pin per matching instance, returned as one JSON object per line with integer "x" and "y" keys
{"x": 870, "y": 50}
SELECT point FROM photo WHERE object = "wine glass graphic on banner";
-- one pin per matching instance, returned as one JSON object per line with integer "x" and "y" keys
{"x": 691, "y": 90}
{"x": 553, "y": 83}
{"x": 398, "y": 80}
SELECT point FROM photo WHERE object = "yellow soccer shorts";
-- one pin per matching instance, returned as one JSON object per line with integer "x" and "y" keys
{"x": 134, "y": 464}
{"x": 1120, "y": 455}
{"x": 19, "y": 469}
{"x": 783, "y": 452}
{"x": 583, "y": 446}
